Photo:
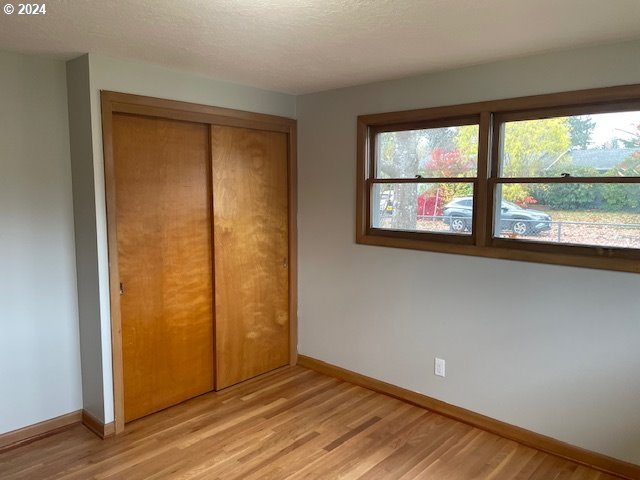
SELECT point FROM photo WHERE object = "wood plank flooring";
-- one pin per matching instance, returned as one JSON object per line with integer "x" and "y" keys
{"x": 291, "y": 424}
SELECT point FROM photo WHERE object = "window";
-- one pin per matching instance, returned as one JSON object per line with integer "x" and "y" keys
{"x": 575, "y": 179}
{"x": 416, "y": 170}
{"x": 552, "y": 178}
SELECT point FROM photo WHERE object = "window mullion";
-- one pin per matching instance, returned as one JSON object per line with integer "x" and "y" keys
{"x": 482, "y": 218}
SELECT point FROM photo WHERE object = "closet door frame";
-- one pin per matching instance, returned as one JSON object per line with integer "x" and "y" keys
{"x": 114, "y": 102}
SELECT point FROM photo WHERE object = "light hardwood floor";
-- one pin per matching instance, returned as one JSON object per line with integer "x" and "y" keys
{"x": 291, "y": 424}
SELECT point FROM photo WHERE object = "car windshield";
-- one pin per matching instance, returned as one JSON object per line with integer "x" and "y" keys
{"x": 468, "y": 202}
{"x": 510, "y": 206}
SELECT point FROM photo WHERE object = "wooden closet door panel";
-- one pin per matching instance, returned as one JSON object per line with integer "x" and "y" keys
{"x": 251, "y": 252}
{"x": 163, "y": 206}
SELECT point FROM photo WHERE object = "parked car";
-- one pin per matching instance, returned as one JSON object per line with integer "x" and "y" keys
{"x": 458, "y": 212}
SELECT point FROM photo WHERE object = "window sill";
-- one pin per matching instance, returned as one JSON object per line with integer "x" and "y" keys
{"x": 599, "y": 258}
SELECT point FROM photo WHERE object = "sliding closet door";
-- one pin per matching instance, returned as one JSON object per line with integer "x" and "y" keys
{"x": 163, "y": 205}
{"x": 251, "y": 252}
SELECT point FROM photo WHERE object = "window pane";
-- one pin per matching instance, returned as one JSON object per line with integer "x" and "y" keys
{"x": 606, "y": 144}
{"x": 434, "y": 152}
{"x": 601, "y": 214}
{"x": 423, "y": 207}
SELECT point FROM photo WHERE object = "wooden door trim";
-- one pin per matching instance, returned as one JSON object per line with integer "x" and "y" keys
{"x": 292, "y": 168}
{"x": 115, "y": 102}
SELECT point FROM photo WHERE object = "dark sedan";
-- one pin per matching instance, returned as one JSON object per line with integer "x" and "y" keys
{"x": 458, "y": 212}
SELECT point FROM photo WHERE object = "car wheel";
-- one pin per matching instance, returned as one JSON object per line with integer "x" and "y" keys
{"x": 520, "y": 227}
{"x": 457, "y": 224}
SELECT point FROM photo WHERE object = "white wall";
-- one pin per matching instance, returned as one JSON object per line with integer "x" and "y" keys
{"x": 549, "y": 348}
{"x": 39, "y": 347}
{"x": 125, "y": 76}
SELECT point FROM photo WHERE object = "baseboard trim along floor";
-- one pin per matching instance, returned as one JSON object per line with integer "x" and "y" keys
{"x": 103, "y": 430}
{"x": 39, "y": 430}
{"x": 526, "y": 437}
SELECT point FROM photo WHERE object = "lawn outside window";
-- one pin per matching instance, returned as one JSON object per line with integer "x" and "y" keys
{"x": 551, "y": 178}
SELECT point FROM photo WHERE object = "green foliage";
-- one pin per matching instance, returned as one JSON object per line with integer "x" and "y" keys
{"x": 528, "y": 143}
{"x": 618, "y": 196}
{"x": 449, "y": 191}
{"x": 528, "y": 146}
{"x": 569, "y": 196}
{"x": 518, "y": 193}
{"x": 467, "y": 141}
{"x": 610, "y": 196}
{"x": 580, "y": 130}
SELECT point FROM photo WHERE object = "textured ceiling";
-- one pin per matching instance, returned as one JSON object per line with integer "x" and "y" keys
{"x": 301, "y": 46}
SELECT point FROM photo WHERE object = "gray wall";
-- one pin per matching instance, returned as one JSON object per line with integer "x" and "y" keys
{"x": 549, "y": 348}
{"x": 84, "y": 210}
{"x": 39, "y": 348}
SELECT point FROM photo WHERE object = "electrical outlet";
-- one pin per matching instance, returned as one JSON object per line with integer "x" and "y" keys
{"x": 439, "y": 367}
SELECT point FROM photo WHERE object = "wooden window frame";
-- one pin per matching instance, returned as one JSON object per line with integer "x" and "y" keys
{"x": 371, "y": 180}
{"x": 490, "y": 116}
